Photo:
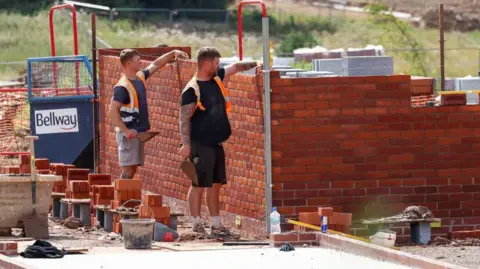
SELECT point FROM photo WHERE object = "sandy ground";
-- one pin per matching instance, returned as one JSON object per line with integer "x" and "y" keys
{"x": 459, "y": 252}
{"x": 464, "y": 256}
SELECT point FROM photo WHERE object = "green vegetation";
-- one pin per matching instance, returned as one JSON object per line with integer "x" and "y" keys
{"x": 23, "y": 36}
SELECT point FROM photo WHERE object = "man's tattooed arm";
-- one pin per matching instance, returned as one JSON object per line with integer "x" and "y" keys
{"x": 247, "y": 65}
{"x": 240, "y": 67}
{"x": 186, "y": 112}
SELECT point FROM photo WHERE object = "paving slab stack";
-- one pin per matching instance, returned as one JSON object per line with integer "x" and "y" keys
{"x": 356, "y": 65}
{"x": 468, "y": 84}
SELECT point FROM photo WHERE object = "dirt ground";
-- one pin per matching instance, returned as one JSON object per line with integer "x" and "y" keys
{"x": 88, "y": 238}
{"x": 459, "y": 252}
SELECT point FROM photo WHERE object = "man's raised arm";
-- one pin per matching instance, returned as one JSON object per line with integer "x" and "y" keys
{"x": 234, "y": 68}
{"x": 164, "y": 59}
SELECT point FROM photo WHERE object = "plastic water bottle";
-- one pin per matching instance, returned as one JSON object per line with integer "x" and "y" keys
{"x": 275, "y": 222}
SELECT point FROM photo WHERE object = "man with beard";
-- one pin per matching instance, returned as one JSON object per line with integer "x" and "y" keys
{"x": 204, "y": 126}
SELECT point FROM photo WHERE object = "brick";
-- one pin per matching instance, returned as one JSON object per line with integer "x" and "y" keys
{"x": 310, "y": 217}
{"x": 158, "y": 212}
{"x": 77, "y": 174}
{"x": 8, "y": 248}
{"x": 117, "y": 227}
{"x": 284, "y": 237}
{"x": 99, "y": 179}
{"x": 24, "y": 159}
{"x": 78, "y": 186}
{"x": 325, "y": 211}
{"x": 104, "y": 191}
{"x": 42, "y": 163}
{"x": 340, "y": 218}
{"x": 453, "y": 99}
{"x": 153, "y": 200}
{"x": 10, "y": 169}
{"x": 128, "y": 185}
{"x": 43, "y": 171}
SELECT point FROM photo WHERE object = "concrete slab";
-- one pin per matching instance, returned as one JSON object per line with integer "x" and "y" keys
{"x": 242, "y": 258}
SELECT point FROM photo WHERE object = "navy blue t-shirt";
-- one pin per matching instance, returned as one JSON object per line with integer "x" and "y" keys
{"x": 209, "y": 127}
{"x": 120, "y": 94}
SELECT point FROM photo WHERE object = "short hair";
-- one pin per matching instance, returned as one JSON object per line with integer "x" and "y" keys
{"x": 161, "y": 45}
{"x": 127, "y": 54}
{"x": 207, "y": 53}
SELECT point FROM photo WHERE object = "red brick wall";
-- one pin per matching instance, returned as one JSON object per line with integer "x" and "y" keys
{"x": 245, "y": 193}
{"x": 355, "y": 143}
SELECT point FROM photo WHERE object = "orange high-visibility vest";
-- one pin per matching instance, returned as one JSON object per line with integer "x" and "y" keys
{"x": 194, "y": 85}
{"x": 131, "y": 110}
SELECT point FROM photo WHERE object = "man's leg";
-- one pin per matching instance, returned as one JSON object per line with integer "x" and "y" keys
{"x": 203, "y": 158}
{"x": 213, "y": 195}
{"x": 129, "y": 155}
{"x": 195, "y": 195}
{"x": 213, "y": 203}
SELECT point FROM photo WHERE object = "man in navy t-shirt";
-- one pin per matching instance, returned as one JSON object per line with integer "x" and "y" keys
{"x": 129, "y": 109}
{"x": 204, "y": 126}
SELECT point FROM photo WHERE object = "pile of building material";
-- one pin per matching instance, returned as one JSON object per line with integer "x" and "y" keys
{"x": 356, "y": 65}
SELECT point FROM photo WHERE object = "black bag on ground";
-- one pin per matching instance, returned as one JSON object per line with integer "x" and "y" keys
{"x": 42, "y": 249}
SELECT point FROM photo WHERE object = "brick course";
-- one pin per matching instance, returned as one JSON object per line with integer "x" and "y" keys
{"x": 355, "y": 143}
{"x": 352, "y": 143}
{"x": 245, "y": 192}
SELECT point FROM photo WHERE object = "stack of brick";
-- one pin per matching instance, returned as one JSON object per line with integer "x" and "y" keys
{"x": 64, "y": 173}
{"x": 101, "y": 189}
{"x": 152, "y": 207}
{"x": 25, "y": 167}
{"x": 339, "y": 222}
{"x": 10, "y": 169}
{"x": 57, "y": 169}
{"x": 125, "y": 189}
{"x": 77, "y": 183}
{"x": 43, "y": 166}
{"x": 101, "y": 192}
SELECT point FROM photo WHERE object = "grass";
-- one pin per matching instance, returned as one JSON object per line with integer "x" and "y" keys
{"x": 28, "y": 36}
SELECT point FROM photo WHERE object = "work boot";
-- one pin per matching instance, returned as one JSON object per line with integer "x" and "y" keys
{"x": 223, "y": 232}
{"x": 198, "y": 228}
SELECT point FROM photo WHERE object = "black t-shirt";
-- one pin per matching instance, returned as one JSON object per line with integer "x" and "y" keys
{"x": 209, "y": 127}
{"x": 120, "y": 94}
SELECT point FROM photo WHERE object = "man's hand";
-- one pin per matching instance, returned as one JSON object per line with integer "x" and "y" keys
{"x": 164, "y": 59}
{"x": 234, "y": 68}
{"x": 130, "y": 134}
{"x": 185, "y": 151}
{"x": 177, "y": 54}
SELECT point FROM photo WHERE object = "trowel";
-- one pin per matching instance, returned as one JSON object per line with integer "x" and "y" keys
{"x": 145, "y": 136}
{"x": 34, "y": 226}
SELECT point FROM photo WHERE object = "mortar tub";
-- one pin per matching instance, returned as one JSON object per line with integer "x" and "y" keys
{"x": 16, "y": 197}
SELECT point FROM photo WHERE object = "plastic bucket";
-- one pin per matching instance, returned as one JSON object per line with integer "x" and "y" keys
{"x": 384, "y": 238}
{"x": 137, "y": 233}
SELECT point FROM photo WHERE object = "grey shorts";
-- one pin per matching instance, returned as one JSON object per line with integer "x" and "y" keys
{"x": 131, "y": 152}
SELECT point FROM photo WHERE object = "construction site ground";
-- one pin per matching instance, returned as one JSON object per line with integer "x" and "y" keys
{"x": 459, "y": 252}
{"x": 107, "y": 249}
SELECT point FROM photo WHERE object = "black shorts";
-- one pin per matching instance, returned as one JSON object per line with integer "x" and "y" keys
{"x": 209, "y": 163}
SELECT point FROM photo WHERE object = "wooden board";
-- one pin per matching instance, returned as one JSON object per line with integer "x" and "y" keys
{"x": 76, "y": 201}
{"x": 395, "y": 221}
{"x": 58, "y": 195}
{"x": 102, "y": 207}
